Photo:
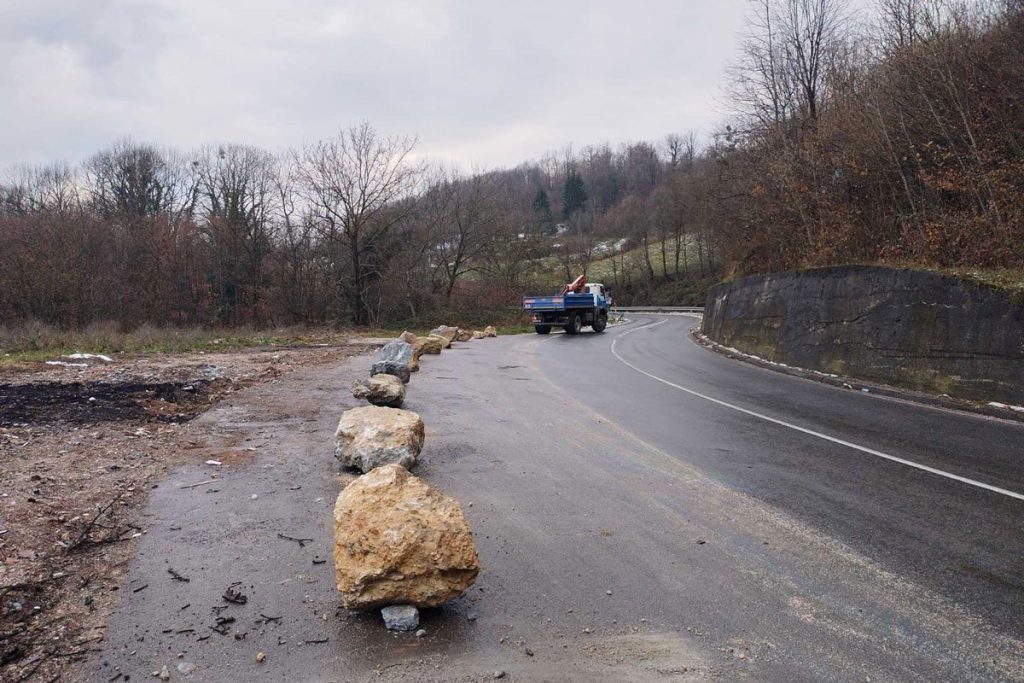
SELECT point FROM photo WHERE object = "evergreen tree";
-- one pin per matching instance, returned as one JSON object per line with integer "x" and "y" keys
{"x": 574, "y": 195}
{"x": 541, "y": 204}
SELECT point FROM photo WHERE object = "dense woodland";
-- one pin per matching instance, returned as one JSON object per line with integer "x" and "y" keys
{"x": 897, "y": 138}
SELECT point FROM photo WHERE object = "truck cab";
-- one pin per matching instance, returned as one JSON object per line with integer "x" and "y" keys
{"x": 585, "y": 304}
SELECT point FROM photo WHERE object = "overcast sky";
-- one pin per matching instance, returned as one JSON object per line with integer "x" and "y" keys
{"x": 481, "y": 82}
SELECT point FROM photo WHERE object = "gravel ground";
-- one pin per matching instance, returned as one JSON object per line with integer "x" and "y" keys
{"x": 83, "y": 444}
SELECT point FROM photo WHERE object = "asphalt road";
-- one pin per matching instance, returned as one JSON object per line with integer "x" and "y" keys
{"x": 644, "y": 510}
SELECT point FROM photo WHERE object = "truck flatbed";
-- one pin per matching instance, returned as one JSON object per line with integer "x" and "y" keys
{"x": 570, "y": 310}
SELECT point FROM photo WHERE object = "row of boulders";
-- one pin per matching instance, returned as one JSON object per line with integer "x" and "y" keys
{"x": 399, "y": 544}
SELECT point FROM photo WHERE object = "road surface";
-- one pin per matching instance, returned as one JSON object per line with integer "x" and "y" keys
{"x": 644, "y": 509}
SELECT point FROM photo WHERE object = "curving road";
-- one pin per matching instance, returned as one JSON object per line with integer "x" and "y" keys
{"x": 644, "y": 510}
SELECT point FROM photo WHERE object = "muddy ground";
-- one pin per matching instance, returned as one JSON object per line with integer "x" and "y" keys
{"x": 83, "y": 442}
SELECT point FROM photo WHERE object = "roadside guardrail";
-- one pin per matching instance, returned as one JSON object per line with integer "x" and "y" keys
{"x": 657, "y": 309}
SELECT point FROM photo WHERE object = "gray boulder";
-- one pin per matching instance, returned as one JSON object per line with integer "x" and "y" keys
{"x": 380, "y": 390}
{"x": 396, "y": 358}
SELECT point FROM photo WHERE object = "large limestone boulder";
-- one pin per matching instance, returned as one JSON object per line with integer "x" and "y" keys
{"x": 477, "y": 334}
{"x": 398, "y": 541}
{"x": 449, "y": 334}
{"x": 432, "y": 344}
{"x": 374, "y": 436}
{"x": 396, "y": 358}
{"x": 380, "y": 390}
{"x": 489, "y": 331}
{"x": 464, "y": 335}
{"x": 422, "y": 345}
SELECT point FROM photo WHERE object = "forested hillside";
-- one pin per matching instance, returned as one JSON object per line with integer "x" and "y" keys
{"x": 894, "y": 138}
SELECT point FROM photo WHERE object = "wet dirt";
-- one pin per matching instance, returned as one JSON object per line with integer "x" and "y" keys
{"x": 82, "y": 449}
{"x": 84, "y": 403}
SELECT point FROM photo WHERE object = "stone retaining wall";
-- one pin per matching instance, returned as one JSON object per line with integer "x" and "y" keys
{"x": 907, "y": 328}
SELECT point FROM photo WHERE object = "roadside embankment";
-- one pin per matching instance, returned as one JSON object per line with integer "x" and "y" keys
{"x": 908, "y": 328}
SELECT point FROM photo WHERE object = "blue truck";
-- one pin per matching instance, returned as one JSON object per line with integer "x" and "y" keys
{"x": 570, "y": 310}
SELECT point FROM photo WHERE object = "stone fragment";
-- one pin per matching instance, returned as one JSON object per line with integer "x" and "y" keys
{"x": 380, "y": 390}
{"x": 401, "y": 617}
{"x": 372, "y": 436}
{"x": 398, "y": 541}
{"x": 489, "y": 331}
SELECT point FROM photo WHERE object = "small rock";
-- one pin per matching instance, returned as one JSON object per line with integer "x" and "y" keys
{"x": 528, "y": 651}
{"x": 261, "y": 657}
{"x": 422, "y": 632}
{"x": 185, "y": 668}
{"x": 164, "y": 674}
{"x": 499, "y": 674}
{"x": 401, "y": 617}
{"x": 607, "y": 592}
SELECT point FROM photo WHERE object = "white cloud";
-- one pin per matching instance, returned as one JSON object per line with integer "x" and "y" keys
{"x": 484, "y": 83}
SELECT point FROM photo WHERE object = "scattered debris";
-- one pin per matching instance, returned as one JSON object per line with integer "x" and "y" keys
{"x": 200, "y": 483}
{"x": 223, "y": 625}
{"x": 233, "y": 594}
{"x": 301, "y": 541}
{"x": 176, "y": 576}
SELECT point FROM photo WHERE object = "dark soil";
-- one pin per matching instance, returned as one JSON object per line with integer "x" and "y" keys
{"x": 83, "y": 403}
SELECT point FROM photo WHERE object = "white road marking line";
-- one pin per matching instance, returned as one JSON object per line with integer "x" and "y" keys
{"x": 804, "y": 430}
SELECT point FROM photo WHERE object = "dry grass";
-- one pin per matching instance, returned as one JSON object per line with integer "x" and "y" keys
{"x": 34, "y": 340}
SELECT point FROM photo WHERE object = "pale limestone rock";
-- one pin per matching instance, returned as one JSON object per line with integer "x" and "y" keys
{"x": 380, "y": 390}
{"x": 398, "y": 541}
{"x": 373, "y": 436}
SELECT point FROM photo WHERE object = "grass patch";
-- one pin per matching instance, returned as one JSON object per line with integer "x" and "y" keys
{"x": 36, "y": 341}
{"x": 33, "y": 341}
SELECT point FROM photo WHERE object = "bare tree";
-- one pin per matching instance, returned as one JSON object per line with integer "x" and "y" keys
{"x": 350, "y": 181}
{"x": 238, "y": 192}
{"x": 899, "y": 23}
{"x": 463, "y": 215}
{"x": 810, "y": 30}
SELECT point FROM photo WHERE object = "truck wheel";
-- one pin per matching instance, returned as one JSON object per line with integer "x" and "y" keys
{"x": 575, "y": 323}
{"x": 600, "y": 323}
{"x": 542, "y": 329}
